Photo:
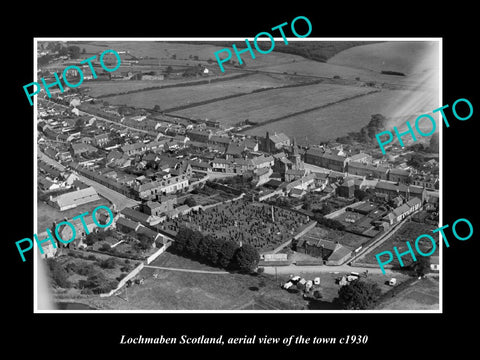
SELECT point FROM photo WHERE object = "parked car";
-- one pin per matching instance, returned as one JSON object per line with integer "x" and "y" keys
{"x": 295, "y": 279}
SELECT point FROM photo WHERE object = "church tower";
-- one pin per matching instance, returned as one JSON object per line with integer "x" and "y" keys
{"x": 295, "y": 157}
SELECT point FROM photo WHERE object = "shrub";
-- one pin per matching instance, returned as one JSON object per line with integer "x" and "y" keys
{"x": 105, "y": 247}
{"x": 58, "y": 274}
{"x": 108, "y": 263}
{"x": 246, "y": 258}
{"x": 86, "y": 270}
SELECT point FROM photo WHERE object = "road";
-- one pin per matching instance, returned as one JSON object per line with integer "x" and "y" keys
{"x": 293, "y": 269}
{"x": 121, "y": 201}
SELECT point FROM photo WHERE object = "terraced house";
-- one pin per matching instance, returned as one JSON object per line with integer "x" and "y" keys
{"x": 153, "y": 189}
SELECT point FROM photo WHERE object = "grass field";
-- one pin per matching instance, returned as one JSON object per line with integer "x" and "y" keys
{"x": 422, "y": 295}
{"x": 173, "y": 290}
{"x": 408, "y": 232}
{"x": 272, "y": 104}
{"x": 180, "y": 96}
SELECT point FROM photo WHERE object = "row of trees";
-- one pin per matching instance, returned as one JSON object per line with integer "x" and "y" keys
{"x": 331, "y": 223}
{"x": 224, "y": 254}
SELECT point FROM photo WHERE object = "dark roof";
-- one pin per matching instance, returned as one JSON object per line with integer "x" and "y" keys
{"x": 135, "y": 215}
{"x": 146, "y": 231}
{"x": 127, "y": 223}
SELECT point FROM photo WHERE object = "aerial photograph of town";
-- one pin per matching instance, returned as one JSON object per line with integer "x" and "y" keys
{"x": 167, "y": 181}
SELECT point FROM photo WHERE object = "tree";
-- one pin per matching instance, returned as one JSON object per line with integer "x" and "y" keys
{"x": 97, "y": 283}
{"x": 204, "y": 246}
{"x": 90, "y": 239}
{"x": 63, "y": 51}
{"x": 83, "y": 51}
{"x": 360, "y": 194}
{"x": 247, "y": 258}
{"x": 144, "y": 242}
{"x": 214, "y": 250}
{"x": 156, "y": 108}
{"x": 74, "y": 52}
{"x": 359, "y": 295}
{"x": 193, "y": 242}
{"x": 108, "y": 263}
{"x": 421, "y": 266}
{"x": 226, "y": 254}
{"x": 58, "y": 274}
{"x": 169, "y": 69}
{"x": 105, "y": 247}
{"x": 190, "y": 201}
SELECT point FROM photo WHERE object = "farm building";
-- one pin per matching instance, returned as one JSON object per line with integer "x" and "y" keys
{"x": 333, "y": 253}
{"x": 73, "y": 199}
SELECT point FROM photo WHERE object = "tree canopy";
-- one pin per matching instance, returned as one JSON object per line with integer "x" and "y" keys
{"x": 358, "y": 295}
{"x": 247, "y": 258}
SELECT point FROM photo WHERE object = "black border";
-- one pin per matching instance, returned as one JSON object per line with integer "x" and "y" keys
{"x": 100, "y": 333}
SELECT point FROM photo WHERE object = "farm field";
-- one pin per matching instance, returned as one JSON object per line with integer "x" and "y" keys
{"x": 272, "y": 104}
{"x": 408, "y": 57}
{"x": 180, "y": 96}
{"x": 408, "y": 232}
{"x": 350, "y": 116}
{"x": 101, "y": 88}
{"x": 164, "y": 50}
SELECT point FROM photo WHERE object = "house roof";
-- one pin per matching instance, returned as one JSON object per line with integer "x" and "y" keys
{"x": 339, "y": 253}
{"x": 358, "y": 156}
{"x": 321, "y": 176}
{"x": 327, "y": 244}
{"x": 334, "y": 157}
{"x": 234, "y": 149}
{"x": 81, "y": 147}
{"x": 315, "y": 152}
{"x": 261, "y": 159}
{"x": 75, "y": 197}
{"x": 401, "y": 209}
{"x": 359, "y": 165}
{"x": 414, "y": 201}
{"x": 153, "y": 204}
{"x": 135, "y": 215}
{"x": 220, "y": 139}
{"x": 127, "y": 223}
{"x": 148, "y": 232}
{"x": 400, "y": 172}
{"x": 279, "y": 138}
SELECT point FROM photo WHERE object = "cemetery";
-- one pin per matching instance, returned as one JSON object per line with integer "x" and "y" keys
{"x": 261, "y": 225}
